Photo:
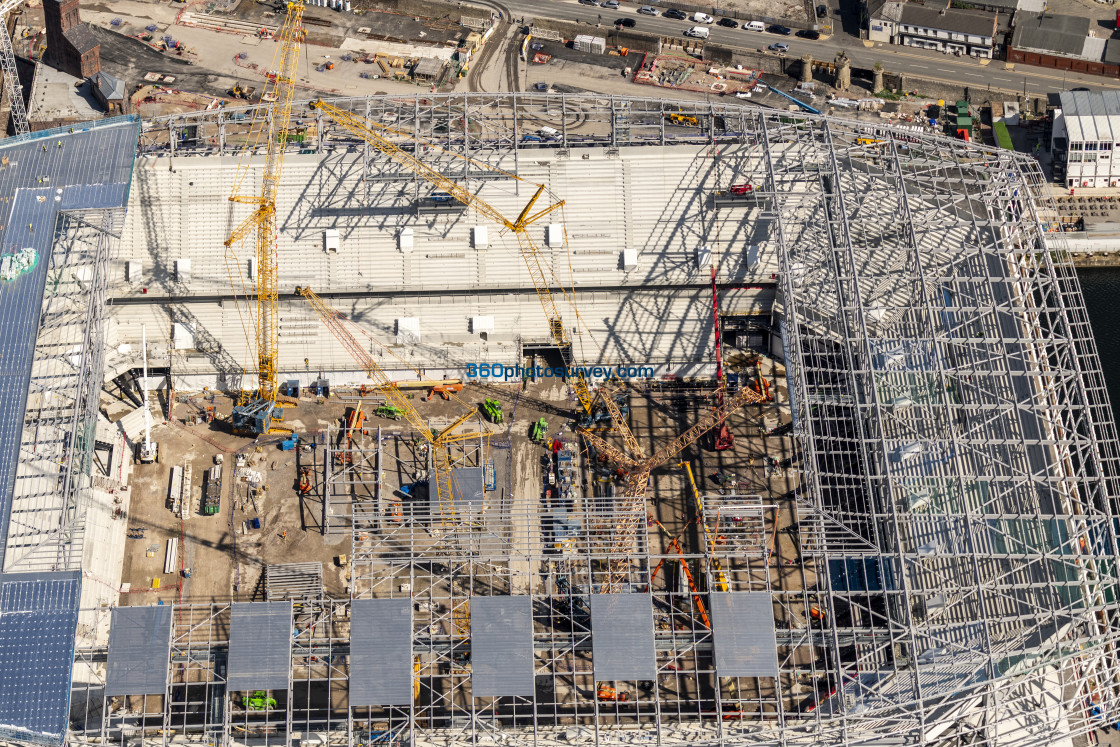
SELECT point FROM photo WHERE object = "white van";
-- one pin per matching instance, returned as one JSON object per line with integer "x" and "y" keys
{"x": 699, "y": 17}
{"x": 755, "y": 26}
{"x": 697, "y": 31}
{"x": 549, "y": 132}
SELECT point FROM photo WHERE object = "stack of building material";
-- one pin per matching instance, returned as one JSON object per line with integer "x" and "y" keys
{"x": 588, "y": 43}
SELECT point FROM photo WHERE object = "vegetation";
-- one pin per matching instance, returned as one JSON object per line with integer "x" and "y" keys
{"x": 1003, "y": 137}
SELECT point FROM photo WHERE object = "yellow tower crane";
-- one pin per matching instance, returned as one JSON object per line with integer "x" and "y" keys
{"x": 375, "y": 134}
{"x": 255, "y": 414}
{"x": 438, "y": 442}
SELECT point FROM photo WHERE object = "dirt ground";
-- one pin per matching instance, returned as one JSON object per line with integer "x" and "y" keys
{"x": 226, "y": 558}
{"x": 766, "y": 8}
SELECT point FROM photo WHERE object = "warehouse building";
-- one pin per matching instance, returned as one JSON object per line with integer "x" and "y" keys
{"x": 1085, "y": 137}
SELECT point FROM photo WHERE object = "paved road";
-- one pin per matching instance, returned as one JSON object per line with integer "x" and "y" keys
{"x": 965, "y": 71}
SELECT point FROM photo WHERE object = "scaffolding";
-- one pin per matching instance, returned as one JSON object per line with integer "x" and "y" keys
{"x": 954, "y": 499}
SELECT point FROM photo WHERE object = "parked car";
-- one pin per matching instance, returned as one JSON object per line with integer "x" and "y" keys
{"x": 612, "y": 4}
{"x": 730, "y": 23}
{"x": 809, "y": 34}
{"x": 782, "y": 30}
{"x": 625, "y": 23}
{"x": 822, "y": 11}
{"x": 647, "y": 10}
{"x": 779, "y": 47}
{"x": 589, "y": 2}
{"x": 674, "y": 14}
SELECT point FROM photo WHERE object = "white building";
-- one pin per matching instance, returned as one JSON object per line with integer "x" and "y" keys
{"x": 1086, "y": 131}
{"x": 945, "y": 29}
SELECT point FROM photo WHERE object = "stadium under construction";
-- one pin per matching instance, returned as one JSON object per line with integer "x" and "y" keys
{"x": 912, "y": 540}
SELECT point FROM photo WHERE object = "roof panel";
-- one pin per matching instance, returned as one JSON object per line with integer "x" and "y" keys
{"x": 260, "y": 646}
{"x": 381, "y": 652}
{"x": 743, "y": 634}
{"x": 114, "y": 144}
{"x": 622, "y": 637}
{"x": 502, "y": 646}
{"x": 139, "y": 643}
{"x": 38, "y": 616}
{"x": 466, "y": 488}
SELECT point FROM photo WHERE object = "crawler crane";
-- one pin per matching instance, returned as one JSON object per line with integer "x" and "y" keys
{"x": 272, "y": 124}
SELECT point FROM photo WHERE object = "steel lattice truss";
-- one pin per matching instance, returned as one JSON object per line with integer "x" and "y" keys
{"x": 53, "y": 485}
{"x": 955, "y": 511}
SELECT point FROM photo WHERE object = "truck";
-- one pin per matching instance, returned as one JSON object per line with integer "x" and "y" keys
{"x": 212, "y": 498}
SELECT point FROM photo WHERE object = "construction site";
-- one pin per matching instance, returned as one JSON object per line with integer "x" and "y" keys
{"x": 544, "y": 419}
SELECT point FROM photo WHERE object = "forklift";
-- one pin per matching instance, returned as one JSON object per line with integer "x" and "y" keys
{"x": 493, "y": 410}
{"x": 536, "y": 433}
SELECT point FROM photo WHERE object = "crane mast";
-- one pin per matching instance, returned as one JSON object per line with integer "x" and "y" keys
{"x": 273, "y": 124}
{"x": 11, "y": 75}
{"x": 371, "y": 132}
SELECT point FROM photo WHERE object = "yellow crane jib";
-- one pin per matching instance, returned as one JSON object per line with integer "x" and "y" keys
{"x": 377, "y": 136}
{"x": 438, "y": 442}
{"x": 272, "y": 124}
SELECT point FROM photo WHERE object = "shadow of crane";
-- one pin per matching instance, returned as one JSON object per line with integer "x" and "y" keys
{"x": 230, "y": 373}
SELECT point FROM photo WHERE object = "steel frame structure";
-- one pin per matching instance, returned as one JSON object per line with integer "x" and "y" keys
{"x": 955, "y": 514}
{"x": 54, "y": 482}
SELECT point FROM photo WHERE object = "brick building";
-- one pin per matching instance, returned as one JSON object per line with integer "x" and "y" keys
{"x": 71, "y": 47}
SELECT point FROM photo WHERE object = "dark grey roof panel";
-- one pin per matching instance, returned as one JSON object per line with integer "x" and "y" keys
{"x": 743, "y": 634}
{"x": 139, "y": 643}
{"x": 976, "y": 22}
{"x": 260, "y": 646}
{"x": 466, "y": 488}
{"x": 38, "y": 617}
{"x": 622, "y": 637}
{"x": 1059, "y": 35}
{"x": 381, "y": 652}
{"x": 502, "y": 646}
{"x": 82, "y": 38}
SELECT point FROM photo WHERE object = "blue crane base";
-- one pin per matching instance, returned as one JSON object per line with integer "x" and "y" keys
{"x": 254, "y": 418}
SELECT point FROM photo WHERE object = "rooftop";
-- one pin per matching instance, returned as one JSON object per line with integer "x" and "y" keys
{"x": 1064, "y": 36}
{"x": 975, "y": 22}
{"x": 111, "y": 87}
{"x": 82, "y": 38}
{"x": 1091, "y": 116}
